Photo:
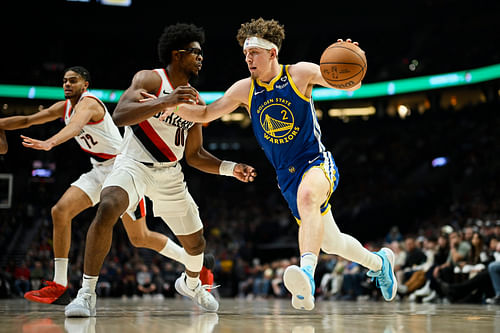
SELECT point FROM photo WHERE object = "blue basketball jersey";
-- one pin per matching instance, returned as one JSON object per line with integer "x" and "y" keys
{"x": 284, "y": 121}
{"x": 286, "y": 127}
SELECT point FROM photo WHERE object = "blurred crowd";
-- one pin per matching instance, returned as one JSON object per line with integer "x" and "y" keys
{"x": 443, "y": 222}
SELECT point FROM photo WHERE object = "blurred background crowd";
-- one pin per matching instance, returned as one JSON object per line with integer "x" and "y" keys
{"x": 441, "y": 219}
{"x": 421, "y": 175}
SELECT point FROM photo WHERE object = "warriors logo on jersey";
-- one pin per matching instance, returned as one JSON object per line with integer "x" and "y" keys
{"x": 277, "y": 120}
{"x": 284, "y": 120}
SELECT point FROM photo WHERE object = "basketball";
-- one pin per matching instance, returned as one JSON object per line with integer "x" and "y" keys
{"x": 343, "y": 65}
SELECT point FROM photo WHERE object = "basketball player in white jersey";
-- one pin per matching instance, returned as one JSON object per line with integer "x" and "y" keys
{"x": 149, "y": 166}
{"x": 88, "y": 121}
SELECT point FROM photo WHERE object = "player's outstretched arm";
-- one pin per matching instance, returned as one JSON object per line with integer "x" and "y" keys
{"x": 3, "y": 143}
{"x": 199, "y": 158}
{"x": 86, "y": 110}
{"x": 132, "y": 108}
{"x": 43, "y": 116}
{"x": 235, "y": 96}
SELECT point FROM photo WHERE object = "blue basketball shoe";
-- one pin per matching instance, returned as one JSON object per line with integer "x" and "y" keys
{"x": 385, "y": 278}
{"x": 300, "y": 283}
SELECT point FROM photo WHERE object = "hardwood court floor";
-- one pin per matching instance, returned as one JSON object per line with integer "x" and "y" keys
{"x": 242, "y": 316}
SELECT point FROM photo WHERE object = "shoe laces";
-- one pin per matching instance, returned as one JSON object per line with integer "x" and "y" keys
{"x": 380, "y": 278}
{"x": 83, "y": 299}
{"x": 203, "y": 294}
{"x": 50, "y": 289}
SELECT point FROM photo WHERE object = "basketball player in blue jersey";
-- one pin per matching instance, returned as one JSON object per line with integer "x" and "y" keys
{"x": 278, "y": 99}
{"x": 82, "y": 110}
{"x": 149, "y": 166}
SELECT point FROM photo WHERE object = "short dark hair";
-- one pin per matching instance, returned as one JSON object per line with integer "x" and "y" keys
{"x": 176, "y": 37}
{"x": 83, "y": 72}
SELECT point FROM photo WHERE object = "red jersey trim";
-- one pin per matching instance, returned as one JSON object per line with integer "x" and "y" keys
{"x": 157, "y": 140}
{"x": 101, "y": 155}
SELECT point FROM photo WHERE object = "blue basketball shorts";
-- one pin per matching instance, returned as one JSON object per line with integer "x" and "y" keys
{"x": 289, "y": 179}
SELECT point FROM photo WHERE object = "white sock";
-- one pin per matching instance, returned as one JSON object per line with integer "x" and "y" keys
{"x": 346, "y": 246}
{"x": 174, "y": 251}
{"x": 89, "y": 282}
{"x": 308, "y": 259}
{"x": 192, "y": 282}
{"x": 61, "y": 271}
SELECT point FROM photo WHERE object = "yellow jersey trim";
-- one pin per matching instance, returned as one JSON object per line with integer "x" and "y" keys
{"x": 270, "y": 86}
{"x": 294, "y": 87}
{"x": 252, "y": 88}
{"x": 332, "y": 182}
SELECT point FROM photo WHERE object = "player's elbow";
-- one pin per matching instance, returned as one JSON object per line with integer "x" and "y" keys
{"x": 119, "y": 119}
{"x": 194, "y": 160}
{"x": 3, "y": 149}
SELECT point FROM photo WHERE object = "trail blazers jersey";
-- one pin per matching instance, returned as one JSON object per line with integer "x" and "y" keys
{"x": 102, "y": 139}
{"x": 153, "y": 140}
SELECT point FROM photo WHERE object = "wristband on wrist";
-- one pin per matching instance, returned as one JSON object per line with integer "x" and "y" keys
{"x": 226, "y": 168}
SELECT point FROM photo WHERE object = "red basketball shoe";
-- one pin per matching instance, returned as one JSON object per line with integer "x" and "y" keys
{"x": 52, "y": 293}
{"x": 206, "y": 275}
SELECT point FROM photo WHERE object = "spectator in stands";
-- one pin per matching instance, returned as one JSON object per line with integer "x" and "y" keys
{"x": 22, "y": 279}
{"x": 144, "y": 278}
{"x": 37, "y": 274}
{"x": 494, "y": 271}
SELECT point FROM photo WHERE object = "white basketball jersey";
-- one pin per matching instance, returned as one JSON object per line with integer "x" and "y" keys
{"x": 153, "y": 140}
{"x": 102, "y": 139}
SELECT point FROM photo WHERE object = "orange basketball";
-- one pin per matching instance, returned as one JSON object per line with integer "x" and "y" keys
{"x": 343, "y": 65}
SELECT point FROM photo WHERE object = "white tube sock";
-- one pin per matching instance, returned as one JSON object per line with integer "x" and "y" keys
{"x": 90, "y": 282}
{"x": 174, "y": 251}
{"x": 346, "y": 246}
{"x": 308, "y": 259}
{"x": 61, "y": 271}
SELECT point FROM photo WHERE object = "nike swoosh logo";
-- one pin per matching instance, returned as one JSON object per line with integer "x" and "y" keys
{"x": 166, "y": 92}
{"x": 313, "y": 160}
{"x": 258, "y": 92}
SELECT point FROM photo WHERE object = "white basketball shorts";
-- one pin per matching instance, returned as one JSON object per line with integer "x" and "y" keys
{"x": 165, "y": 187}
{"x": 91, "y": 182}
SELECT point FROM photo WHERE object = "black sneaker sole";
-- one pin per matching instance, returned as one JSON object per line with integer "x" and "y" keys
{"x": 64, "y": 299}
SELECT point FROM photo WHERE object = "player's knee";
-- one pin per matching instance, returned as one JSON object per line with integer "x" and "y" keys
{"x": 307, "y": 200}
{"x": 60, "y": 215}
{"x": 109, "y": 211}
{"x": 196, "y": 245}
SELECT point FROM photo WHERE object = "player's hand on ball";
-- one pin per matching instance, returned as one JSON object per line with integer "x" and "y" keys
{"x": 348, "y": 40}
{"x": 244, "y": 172}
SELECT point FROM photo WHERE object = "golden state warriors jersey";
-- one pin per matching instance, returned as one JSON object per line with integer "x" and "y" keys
{"x": 285, "y": 125}
{"x": 101, "y": 139}
{"x": 284, "y": 121}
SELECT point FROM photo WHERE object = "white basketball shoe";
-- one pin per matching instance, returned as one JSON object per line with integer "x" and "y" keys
{"x": 199, "y": 295}
{"x": 83, "y": 305}
{"x": 300, "y": 283}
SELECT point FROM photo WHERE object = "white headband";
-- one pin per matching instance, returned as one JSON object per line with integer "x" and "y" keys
{"x": 259, "y": 42}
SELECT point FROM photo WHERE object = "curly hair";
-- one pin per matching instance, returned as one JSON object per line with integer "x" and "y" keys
{"x": 270, "y": 30}
{"x": 176, "y": 37}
